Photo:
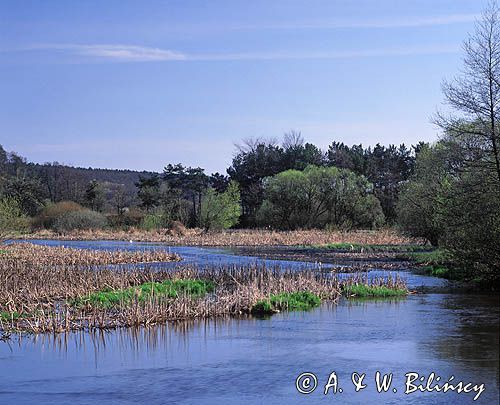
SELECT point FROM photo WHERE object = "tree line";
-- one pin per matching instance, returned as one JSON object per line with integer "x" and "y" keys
{"x": 360, "y": 177}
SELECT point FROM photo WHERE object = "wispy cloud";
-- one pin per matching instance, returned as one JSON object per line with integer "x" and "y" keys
{"x": 123, "y": 53}
{"x": 133, "y": 53}
{"x": 362, "y": 53}
{"x": 400, "y": 22}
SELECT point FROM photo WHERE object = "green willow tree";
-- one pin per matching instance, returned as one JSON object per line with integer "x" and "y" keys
{"x": 220, "y": 210}
{"x": 317, "y": 197}
{"x": 422, "y": 199}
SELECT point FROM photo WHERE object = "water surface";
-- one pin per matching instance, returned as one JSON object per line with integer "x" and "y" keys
{"x": 256, "y": 361}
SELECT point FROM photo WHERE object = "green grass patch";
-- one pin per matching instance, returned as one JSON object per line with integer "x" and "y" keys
{"x": 297, "y": 301}
{"x": 358, "y": 248}
{"x": 436, "y": 263}
{"x": 438, "y": 271}
{"x": 434, "y": 257}
{"x": 143, "y": 292}
{"x": 9, "y": 316}
{"x": 363, "y": 290}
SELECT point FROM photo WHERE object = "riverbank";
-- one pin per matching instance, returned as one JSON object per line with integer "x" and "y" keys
{"x": 238, "y": 237}
{"x": 352, "y": 258}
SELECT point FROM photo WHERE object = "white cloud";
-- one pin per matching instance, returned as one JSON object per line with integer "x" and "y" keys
{"x": 123, "y": 53}
{"x": 327, "y": 24}
{"x": 128, "y": 52}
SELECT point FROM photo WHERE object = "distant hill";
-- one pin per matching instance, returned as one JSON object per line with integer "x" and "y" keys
{"x": 58, "y": 182}
{"x": 63, "y": 182}
{"x": 82, "y": 176}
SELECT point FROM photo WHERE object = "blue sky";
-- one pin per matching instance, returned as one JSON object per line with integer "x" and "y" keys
{"x": 140, "y": 84}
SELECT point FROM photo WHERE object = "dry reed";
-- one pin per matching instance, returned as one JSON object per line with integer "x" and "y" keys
{"x": 29, "y": 253}
{"x": 243, "y": 237}
{"x": 40, "y": 296}
{"x": 37, "y": 296}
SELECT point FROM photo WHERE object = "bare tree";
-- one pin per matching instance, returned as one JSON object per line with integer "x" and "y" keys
{"x": 250, "y": 144}
{"x": 475, "y": 95}
{"x": 292, "y": 139}
{"x": 120, "y": 199}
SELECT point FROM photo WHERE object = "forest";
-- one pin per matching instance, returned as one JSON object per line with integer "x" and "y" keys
{"x": 446, "y": 193}
{"x": 292, "y": 185}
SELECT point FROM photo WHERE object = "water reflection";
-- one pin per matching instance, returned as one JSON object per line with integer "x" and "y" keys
{"x": 472, "y": 331}
{"x": 252, "y": 360}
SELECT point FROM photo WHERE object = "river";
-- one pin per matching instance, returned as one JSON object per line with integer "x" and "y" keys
{"x": 257, "y": 361}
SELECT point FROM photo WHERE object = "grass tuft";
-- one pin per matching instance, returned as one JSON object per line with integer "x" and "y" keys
{"x": 10, "y": 316}
{"x": 435, "y": 263}
{"x": 297, "y": 301}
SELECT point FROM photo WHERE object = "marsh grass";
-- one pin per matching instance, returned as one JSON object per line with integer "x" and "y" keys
{"x": 63, "y": 298}
{"x": 240, "y": 237}
{"x": 438, "y": 271}
{"x": 31, "y": 254}
{"x": 434, "y": 257}
{"x": 437, "y": 263}
{"x": 360, "y": 286}
{"x": 9, "y": 316}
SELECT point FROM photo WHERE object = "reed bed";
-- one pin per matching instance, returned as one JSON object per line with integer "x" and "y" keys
{"x": 51, "y": 293}
{"x": 242, "y": 237}
{"x": 39, "y": 298}
{"x": 29, "y": 253}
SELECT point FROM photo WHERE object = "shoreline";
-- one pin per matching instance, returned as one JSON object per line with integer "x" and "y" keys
{"x": 232, "y": 238}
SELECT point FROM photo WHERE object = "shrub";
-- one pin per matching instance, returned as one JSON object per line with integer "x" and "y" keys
{"x": 220, "y": 210}
{"x": 80, "y": 220}
{"x": 177, "y": 228}
{"x": 12, "y": 218}
{"x": 151, "y": 222}
{"x": 133, "y": 217}
{"x": 50, "y": 214}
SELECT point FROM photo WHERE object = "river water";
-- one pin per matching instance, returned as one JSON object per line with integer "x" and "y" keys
{"x": 257, "y": 361}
